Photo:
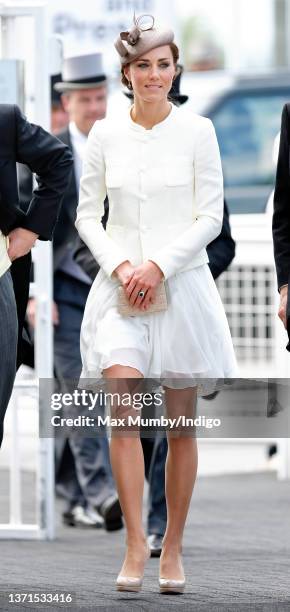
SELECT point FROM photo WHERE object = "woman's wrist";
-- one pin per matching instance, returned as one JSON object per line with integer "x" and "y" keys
{"x": 283, "y": 289}
{"x": 124, "y": 271}
{"x": 157, "y": 268}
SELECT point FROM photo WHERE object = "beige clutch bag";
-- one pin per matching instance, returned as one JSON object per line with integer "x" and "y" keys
{"x": 125, "y": 309}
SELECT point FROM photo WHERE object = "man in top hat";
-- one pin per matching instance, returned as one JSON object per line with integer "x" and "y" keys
{"x": 83, "y": 474}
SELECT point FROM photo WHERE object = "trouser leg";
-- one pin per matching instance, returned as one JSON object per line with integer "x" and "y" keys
{"x": 67, "y": 365}
{"x": 157, "y": 513}
{"x": 8, "y": 344}
{"x": 91, "y": 455}
{"x": 20, "y": 273}
{"x": 93, "y": 468}
{"x": 66, "y": 480}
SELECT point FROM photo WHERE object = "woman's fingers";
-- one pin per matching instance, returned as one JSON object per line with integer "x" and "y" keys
{"x": 133, "y": 288}
{"x": 135, "y": 298}
{"x": 130, "y": 285}
{"x": 128, "y": 279}
{"x": 149, "y": 298}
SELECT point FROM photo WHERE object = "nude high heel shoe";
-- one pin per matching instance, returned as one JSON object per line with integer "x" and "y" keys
{"x": 128, "y": 583}
{"x": 131, "y": 583}
{"x": 171, "y": 586}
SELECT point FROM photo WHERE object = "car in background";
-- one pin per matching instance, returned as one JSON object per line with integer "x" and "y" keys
{"x": 246, "y": 112}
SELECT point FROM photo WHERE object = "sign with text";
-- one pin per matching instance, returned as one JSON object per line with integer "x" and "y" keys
{"x": 93, "y": 25}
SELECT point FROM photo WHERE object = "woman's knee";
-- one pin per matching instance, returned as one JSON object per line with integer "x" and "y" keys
{"x": 120, "y": 371}
{"x": 124, "y": 444}
{"x": 180, "y": 442}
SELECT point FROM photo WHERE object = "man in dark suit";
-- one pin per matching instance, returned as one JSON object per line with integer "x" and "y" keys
{"x": 83, "y": 471}
{"x": 281, "y": 220}
{"x": 220, "y": 252}
{"x": 51, "y": 160}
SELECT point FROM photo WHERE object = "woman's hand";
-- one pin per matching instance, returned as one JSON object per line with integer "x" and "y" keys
{"x": 283, "y": 305}
{"x": 124, "y": 272}
{"x": 146, "y": 277}
{"x": 21, "y": 242}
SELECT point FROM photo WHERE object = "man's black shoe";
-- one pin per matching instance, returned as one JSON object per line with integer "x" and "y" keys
{"x": 111, "y": 512}
{"x": 210, "y": 396}
{"x": 155, "y": 544}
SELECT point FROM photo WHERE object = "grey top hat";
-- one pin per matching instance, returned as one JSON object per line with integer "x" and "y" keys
{"x": 81, "y": 72}
{"x": 142, "y": 37}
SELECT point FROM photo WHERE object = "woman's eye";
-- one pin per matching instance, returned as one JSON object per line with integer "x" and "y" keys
{"x": 163, "y": 65}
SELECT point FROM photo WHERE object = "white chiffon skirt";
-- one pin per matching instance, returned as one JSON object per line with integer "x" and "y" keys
{"x": 189, "y": 344}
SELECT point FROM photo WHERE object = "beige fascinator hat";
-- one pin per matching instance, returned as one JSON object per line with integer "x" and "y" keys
{"x": 141, "y": 38}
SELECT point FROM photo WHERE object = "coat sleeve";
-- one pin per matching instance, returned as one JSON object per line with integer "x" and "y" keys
{"x": 281, "y": 214}
{"x": 208, "y": 187}
{"x": 51, "y": 161}
{"x": 90, "y": 209}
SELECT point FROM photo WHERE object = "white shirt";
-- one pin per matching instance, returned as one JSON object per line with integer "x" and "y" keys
{"x": 5, "y": 262}
{"x": 165, "y": 189}
{"x": 79, "y": 141}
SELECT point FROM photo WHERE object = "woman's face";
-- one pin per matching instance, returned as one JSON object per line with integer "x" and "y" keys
{"x": 152, "y": 74}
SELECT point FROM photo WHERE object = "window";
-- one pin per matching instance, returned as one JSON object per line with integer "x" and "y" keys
{"x": 247, "y": 124}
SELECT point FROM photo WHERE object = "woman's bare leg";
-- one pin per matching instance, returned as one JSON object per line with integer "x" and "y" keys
{"x": 180, "y": 475}
{"x": 127, "y": 462}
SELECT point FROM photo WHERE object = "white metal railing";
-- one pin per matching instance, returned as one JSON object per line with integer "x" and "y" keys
{"x": 249, "y": 293}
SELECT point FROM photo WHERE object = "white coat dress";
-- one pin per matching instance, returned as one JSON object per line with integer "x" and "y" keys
{"x": 165, "y": 190}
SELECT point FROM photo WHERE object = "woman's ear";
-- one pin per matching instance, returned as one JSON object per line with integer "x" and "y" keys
{"x": 178, "y": 70}
{"x": 127, "y": 72}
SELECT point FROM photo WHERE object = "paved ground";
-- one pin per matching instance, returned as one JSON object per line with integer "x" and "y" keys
{"x": 236, "y": 555}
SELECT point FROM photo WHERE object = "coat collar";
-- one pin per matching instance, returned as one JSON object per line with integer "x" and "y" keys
{"x": 156, "y": 128}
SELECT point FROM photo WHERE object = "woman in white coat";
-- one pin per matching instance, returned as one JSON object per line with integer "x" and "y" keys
{"x": 161, "y": 169}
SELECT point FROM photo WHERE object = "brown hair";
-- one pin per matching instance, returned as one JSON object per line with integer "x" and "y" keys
{"x": 175, "y": 55}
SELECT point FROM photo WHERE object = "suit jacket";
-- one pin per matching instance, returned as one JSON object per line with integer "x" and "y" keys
{"x": 221, "y": 251}
{"x": 165, "y": 189}
{"x": 65, "y": 235}
{"x": 65, "y": 232}
{"x": 45, "y": 155}
{"x": 281, "y": 213}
